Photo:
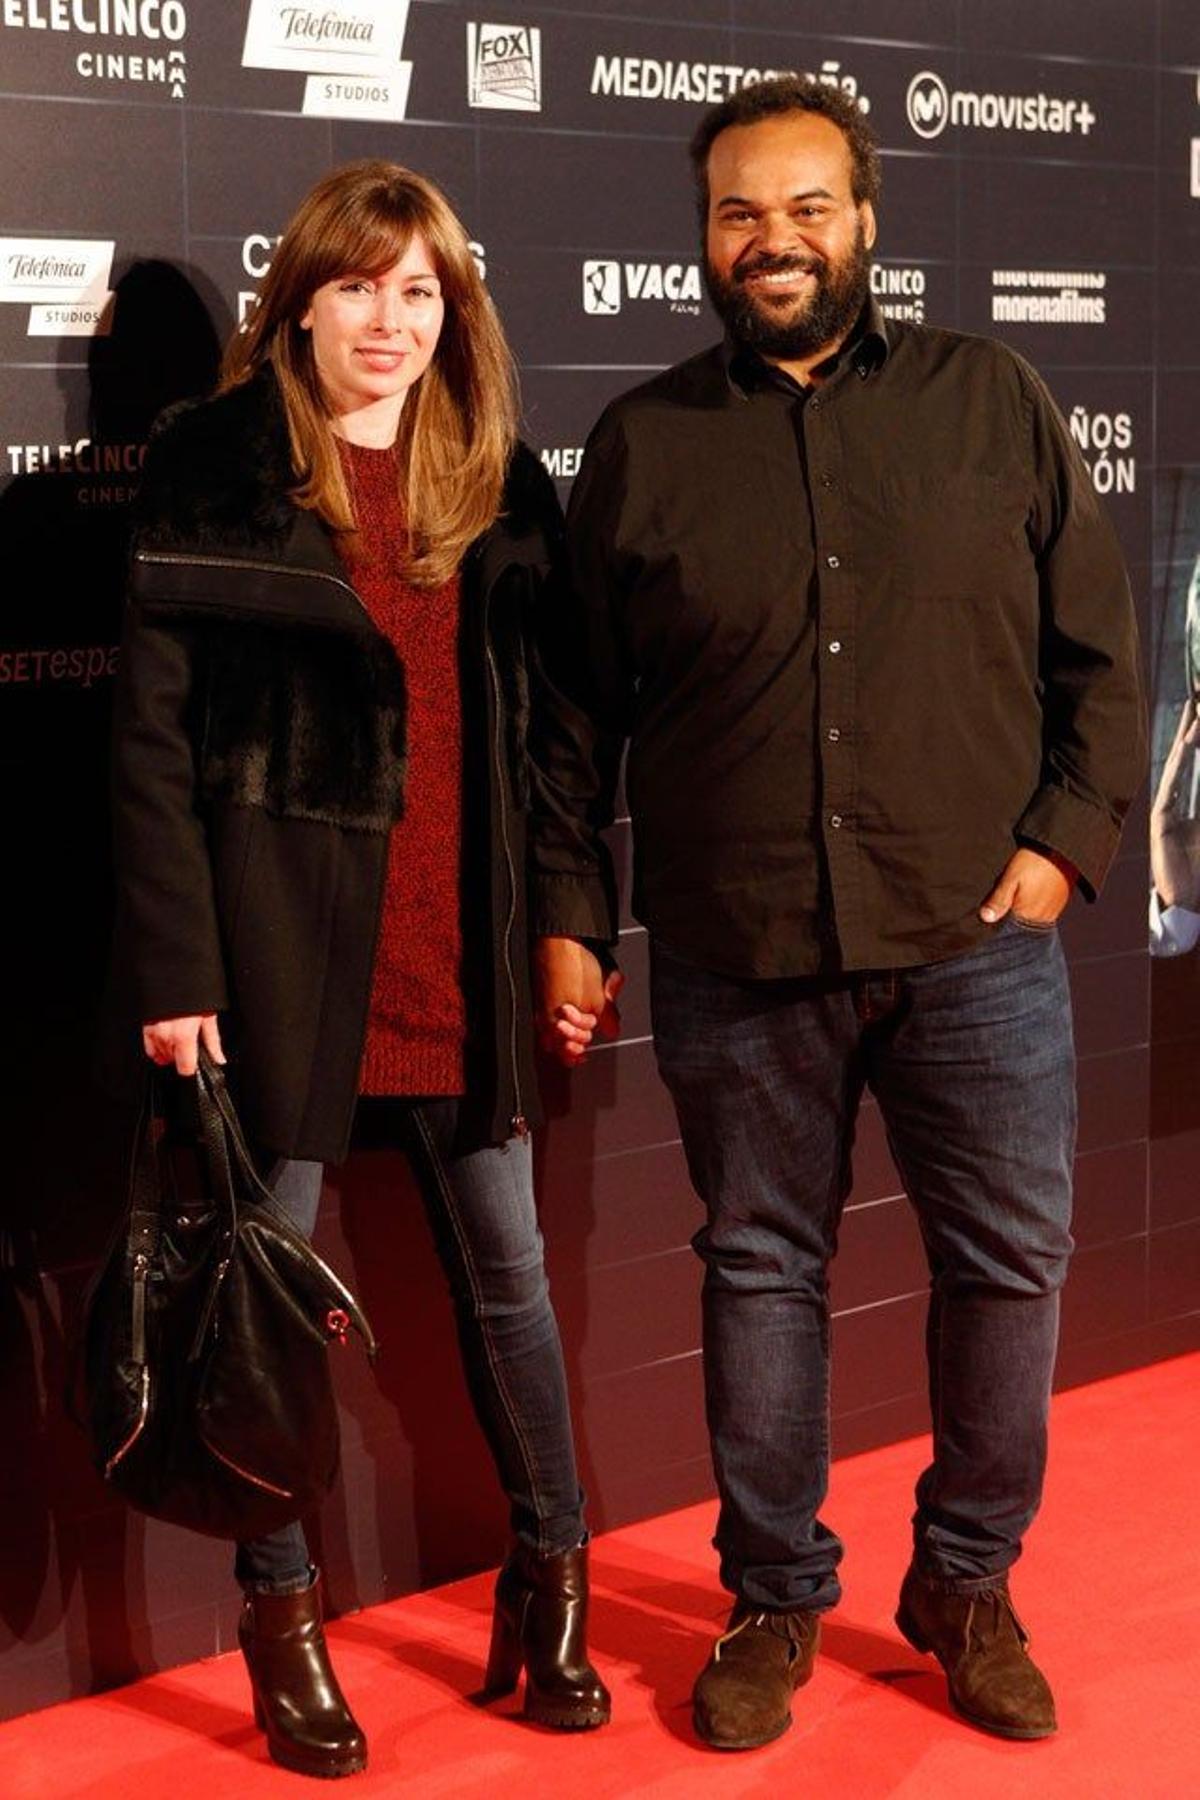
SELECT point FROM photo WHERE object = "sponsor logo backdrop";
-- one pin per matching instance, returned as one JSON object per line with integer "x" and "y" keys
{"x": 153, "y": 150}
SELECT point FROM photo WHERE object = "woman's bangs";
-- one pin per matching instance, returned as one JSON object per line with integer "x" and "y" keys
{"x": 370, "y": 244}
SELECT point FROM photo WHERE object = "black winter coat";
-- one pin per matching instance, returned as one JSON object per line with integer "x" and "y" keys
{"x": 259, "y": 768}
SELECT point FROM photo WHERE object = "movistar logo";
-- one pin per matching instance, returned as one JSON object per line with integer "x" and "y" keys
{"x": 932, "y": 106}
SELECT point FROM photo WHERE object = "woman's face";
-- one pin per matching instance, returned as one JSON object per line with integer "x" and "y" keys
{"x": 373, "y": 336}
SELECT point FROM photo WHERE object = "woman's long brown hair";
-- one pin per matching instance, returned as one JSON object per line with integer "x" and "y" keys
{"x": 458, "y": 424}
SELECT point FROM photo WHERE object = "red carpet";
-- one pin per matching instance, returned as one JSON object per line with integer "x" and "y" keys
{"x": 1110, "y": 1588}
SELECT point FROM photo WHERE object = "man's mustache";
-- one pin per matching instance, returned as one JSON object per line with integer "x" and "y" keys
{"x": 777, "y": 265}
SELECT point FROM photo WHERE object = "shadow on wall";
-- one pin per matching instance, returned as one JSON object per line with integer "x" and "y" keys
{"x": 63, "y": 545}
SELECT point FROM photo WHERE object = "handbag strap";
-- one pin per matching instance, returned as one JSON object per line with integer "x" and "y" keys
{"x": 217, "y": 1110}
{"x": 221, "y": 1127}
{"x": 212, "y": 1141}
{"x": 145, "y": 1175}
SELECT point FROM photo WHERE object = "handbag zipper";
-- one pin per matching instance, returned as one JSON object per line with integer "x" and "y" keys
{"x": 208, "y": 1314}
{"x": 137, "y": 1327}
{"x": 138, "y": 1427}
{"x": 246, "y": 1474}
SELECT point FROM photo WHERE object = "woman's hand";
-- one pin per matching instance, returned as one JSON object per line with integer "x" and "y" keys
{"x": 575, "y": 999}
{"x": 168, "y": 1041}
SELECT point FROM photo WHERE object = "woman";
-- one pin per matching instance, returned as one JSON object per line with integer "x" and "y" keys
{"x": 321, "y": 778}
{"x": 1174, "y": 824}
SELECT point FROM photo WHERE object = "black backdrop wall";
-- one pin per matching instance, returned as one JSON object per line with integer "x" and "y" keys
{"x": 1042, "y": 182}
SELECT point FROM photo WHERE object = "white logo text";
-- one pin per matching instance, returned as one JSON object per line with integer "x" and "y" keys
{"x": 932, "y": 106}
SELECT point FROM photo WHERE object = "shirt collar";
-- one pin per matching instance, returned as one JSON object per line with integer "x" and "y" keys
{"x": 866, "y": 345}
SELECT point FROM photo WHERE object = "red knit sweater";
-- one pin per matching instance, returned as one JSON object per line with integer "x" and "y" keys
{"x": 417, "y": 1024}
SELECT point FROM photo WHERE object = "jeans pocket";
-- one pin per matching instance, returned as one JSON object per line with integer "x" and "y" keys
{"x": 1038, "y": 927}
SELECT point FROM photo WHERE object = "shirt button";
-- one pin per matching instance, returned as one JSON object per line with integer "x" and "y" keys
{"x": 835, "y": 647}
{"x": 835, "y": 819}
{"x": 833, "y": 734}
{"x": 833, "y": 562}
{"x": 814, "y": 405}
{"x": 827, "y": 481}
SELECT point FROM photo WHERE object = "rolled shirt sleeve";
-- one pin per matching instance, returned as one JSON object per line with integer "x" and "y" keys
{"x": 1094, "y": 738}
{"x": 1174, "y": 930}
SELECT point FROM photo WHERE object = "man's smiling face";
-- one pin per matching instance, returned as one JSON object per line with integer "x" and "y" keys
{"x": 787, "y": 247}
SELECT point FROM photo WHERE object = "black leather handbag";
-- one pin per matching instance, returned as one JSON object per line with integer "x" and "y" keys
{"x": 207, "y": 1389}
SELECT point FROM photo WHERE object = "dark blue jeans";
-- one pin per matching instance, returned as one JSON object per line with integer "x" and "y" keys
{"x": 972, "y": 1063}
{"x": 480, "y": 1205}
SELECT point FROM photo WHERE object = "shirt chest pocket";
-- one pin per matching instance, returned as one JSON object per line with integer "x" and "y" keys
{"x": 713, "y": 558}
{"x": 954, "y": 535}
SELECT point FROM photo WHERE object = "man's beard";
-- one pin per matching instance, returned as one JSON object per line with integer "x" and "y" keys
{"x": 834, "y": 303}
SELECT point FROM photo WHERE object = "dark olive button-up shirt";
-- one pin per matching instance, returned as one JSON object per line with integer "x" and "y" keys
{"x": 863, "y": 639}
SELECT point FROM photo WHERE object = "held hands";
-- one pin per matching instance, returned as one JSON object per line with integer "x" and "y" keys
{"x": 1034, "y": 886}
{"x": 168, "y": 1041}
{"x": 575, "y": 999}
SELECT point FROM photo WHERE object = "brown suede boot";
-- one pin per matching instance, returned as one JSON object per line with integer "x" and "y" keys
{"x": 297, "y": 1700}
{"x": 983, "y": 1647}
{"x": 743, "y": 1695}
{"x": 540, "y": 1625}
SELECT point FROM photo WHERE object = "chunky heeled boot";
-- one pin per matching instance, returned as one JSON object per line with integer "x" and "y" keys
{"x": 540, "y": 1625}
{"x": 297, "y": 1700}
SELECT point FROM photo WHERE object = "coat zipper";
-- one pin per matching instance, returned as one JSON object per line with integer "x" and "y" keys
{"x": 171, "y": 560}
{"x": 518, "y": 1122}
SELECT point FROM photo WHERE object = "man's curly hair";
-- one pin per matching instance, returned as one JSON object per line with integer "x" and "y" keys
{"x": 775, "y": 98}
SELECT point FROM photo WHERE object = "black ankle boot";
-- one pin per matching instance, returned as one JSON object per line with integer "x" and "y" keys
{"x": 540, "y": 1625}
{"x": 297, "y": 1700}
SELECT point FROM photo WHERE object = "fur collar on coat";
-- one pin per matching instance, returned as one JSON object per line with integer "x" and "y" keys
{"x": 219, "y": 471}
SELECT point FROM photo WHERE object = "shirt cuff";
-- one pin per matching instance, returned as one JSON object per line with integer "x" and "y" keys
{"x": 574, "y": 906}
{"x": 1075, "y": 829}
{"x": 1174, "y": 930}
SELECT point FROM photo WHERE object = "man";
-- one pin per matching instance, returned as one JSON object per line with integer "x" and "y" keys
{"x": 846, "y": 589}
